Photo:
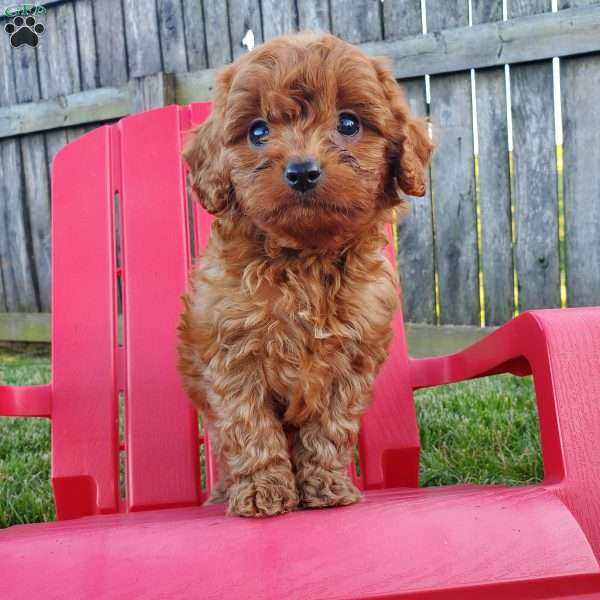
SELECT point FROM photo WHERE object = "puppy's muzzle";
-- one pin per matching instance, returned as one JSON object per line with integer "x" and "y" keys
{"x": 303, "y": 176}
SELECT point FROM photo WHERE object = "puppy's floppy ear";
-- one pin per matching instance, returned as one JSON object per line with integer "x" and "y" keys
{"x": 410, "y": 143}
{"x": 205, "y": 153}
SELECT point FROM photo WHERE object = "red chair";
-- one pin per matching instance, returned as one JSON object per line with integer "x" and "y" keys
{"x": 120, "y": 218}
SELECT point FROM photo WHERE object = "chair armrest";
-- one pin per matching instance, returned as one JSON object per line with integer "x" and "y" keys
{"x": 501, "y": 351}
{"x": 561, "y": 348}
{"x": 25, "y": 401}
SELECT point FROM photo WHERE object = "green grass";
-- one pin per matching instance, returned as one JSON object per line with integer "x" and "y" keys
{"x": 25, "y": 493}
{"x": 482, "y": 431}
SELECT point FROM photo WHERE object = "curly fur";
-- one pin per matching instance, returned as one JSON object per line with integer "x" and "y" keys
{"x": 288, "y": 317}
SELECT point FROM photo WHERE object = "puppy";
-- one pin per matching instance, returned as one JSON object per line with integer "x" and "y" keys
{"x": 288, "y": 318}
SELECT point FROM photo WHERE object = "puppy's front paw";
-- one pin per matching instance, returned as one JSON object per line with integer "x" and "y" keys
{"x": 265, "y": 494}
{"x": 319, "y": 488}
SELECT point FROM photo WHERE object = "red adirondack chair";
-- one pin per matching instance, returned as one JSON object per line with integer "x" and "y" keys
{"x": 156, "y": 541}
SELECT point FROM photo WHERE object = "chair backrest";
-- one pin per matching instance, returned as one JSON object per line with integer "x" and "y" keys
{"x": 124, "y": 232}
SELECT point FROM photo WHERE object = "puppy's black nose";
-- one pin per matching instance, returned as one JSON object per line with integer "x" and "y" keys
{"x": 303, "y": 176}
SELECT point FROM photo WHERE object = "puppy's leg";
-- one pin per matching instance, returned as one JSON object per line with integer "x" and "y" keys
{"x": 253, "y": 451}
{"x": 218, "y": 494}
{"x": 323, "y": 449}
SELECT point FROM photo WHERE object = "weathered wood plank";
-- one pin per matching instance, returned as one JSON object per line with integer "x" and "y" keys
{"x": 446, "y": 15}
{"x": 24, "y": 327}
{"x": 562, "y": 4}
{"x": 357, "y": 21}
{"x": 521, "y": 8}
{"x": 111, "y": 53}
{"x": 86, "y": 40}
{"x": 218, "y": 37}
{"x": 36, "y": 197}
{"x": 55, "y": 140}
{"x": 494, "y": 181}
{"x": 453, "y": 185}
{"x": 486, "y": 11}
{"x": 143, "y": 43}
{"x": 59, "y": 60}
{"x": 81, "y": 107}
{"x": 15, "y": 261}
{"x": 314, "y": 15}
{"x": 90, "y": 127}
{"x": 580, "y": 91}
{"x": 75, "y": 132}
{"x": 151, "y": 91}
{"x": 415, "y": 232}
{"x": 244, "y": 16}
{"x": 574, "y": 31}
{"x": 194, "y": 87}
{"x": 195, "y": 41}
{"x": 26, "y": 86}
{"x": 279, "y": 17}
{"x": 415, "y": 238}
{"x": 494, "y": 196}
{"x": 402, "y": 19}
{"x": 535, "y": 176}
{"x": 172, "y": 35}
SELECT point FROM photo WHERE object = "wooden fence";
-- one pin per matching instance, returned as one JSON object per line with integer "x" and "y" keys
{"x": 498, "y": 233}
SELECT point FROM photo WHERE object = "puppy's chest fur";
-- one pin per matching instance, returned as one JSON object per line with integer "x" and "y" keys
{"x": 304, "y": 326}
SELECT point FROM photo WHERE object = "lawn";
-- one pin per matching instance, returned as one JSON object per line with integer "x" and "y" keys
{"x": 482, "y": 431}
{"x": 25, "y": 494}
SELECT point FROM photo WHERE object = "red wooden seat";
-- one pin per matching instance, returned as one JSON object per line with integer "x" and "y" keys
{"x": 122, "y": 219}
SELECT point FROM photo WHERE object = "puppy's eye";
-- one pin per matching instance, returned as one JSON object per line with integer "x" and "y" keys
{"x": 258, "y": 132}
{"x": 348, "y": 124}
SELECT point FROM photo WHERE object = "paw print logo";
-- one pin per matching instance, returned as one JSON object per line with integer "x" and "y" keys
{"x": 24, "y": 31}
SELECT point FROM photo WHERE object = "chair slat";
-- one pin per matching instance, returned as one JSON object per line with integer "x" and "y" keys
{"x": 162, "y": 431}
{"x": 84, "y": 396}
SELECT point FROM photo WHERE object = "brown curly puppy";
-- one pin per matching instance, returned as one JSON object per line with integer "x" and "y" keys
{"x": 288, "y": 317}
